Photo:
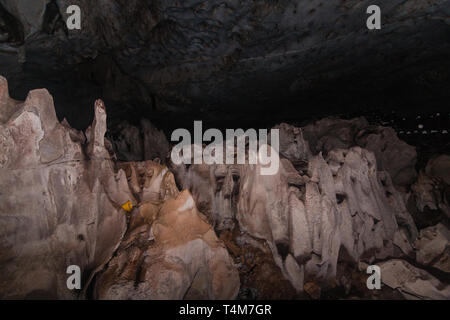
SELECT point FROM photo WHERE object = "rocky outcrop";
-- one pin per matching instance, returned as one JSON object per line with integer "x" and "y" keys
{"x": 169, "y": 251}
{"x": 145, "y": 142}
{"x": 413, "y": 283}
{"x": 326, "y": 209}
{"x": 433, "y": 247}
{"x": 392, "y": 154}
{"x": 429, "y": 199}
{"x": 60, "y": 199}
{"x": 61, "y": 204}
{"x": 331, "y": 206}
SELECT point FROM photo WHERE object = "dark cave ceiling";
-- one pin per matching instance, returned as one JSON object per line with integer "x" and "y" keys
{"x": 260, "y": 61}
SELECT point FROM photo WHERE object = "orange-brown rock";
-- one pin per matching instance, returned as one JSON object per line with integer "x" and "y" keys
{"x": 170, "y": 251}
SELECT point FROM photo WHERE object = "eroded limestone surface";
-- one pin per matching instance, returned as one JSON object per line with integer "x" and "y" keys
{"x": 61, "y": 196}
{"x": 60, "y": 199}
{"x": 331, "y": 207}
{"x": 316, "y": 211}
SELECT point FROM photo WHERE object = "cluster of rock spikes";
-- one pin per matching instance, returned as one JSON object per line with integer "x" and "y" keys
{"x": 347, "y": 195}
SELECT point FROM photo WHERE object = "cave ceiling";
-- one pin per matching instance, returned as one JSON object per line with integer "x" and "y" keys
{"x": 230, "y": 60}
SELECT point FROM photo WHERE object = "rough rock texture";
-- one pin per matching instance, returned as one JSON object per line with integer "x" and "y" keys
{"x": 361, "y": 210}
{"x": 439, "y": 167}
{"x": 433, "y": 247}
{"x": 60, "y": 199}
{"x": 392, "y": 154}
{"x": 293, "y": 145}
{"x": 221, "y": 55}
{"x": 8, "y": 106}
{"x": 169, "y": 251}
{"x": 140, "y": 143}
{"x": 412, "y": 282}
{"x": 60, "y": 205}
{"x": 328, "y": 209}
{"x": 429, "y": 199}
{"x": 30, "y": 14}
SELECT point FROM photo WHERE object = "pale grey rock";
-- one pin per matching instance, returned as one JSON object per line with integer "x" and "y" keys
{"x": 392, "y": 154}
{"x": 61, "y": 204}
{"x": 413, "y": 283}
{"x": 58, "y": 206}
{"x": 433, "y": 247}
{"x": 300, "y": 237}
{"x": 349, "y": 209}
{"x": 342, "y": 209}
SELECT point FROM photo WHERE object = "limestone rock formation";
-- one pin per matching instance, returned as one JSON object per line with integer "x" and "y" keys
{"x": 327, "y": 209}
{"x": 60, "y": 199}
{"x": 392, "y": 154}
{"x": 433, "y": 247}
{"x": 412, "y": 282}
{"x": 355, "y": 211}
{"x": 169, "y": 251}
{"x": 429, "y": 199}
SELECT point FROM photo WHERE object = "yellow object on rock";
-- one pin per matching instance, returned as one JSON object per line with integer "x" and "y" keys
{"x": 127, "y": 206}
